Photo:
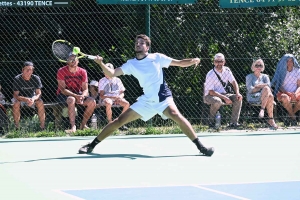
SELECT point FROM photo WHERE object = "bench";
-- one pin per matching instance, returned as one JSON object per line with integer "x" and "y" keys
{"x": 57, "y": 110}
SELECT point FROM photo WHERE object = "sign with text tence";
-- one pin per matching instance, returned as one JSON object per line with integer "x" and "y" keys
{"x": 146, "y": 1}
{"x": 256, "y": 3}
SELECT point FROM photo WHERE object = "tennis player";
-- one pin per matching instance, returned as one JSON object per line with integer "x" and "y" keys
{"x": 157, "y": 97}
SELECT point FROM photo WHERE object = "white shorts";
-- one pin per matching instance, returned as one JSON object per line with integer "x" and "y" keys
{"x": 147, "y": 110}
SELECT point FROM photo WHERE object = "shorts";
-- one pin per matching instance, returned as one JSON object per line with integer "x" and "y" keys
{"x": 147, "y": 110}
{"x": 13, "y": 100}
{"x": 101, "y": 102}
{"x": 61, "y": 98}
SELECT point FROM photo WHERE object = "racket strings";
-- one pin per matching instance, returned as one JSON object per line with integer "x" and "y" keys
{"x": 62, "y": 50}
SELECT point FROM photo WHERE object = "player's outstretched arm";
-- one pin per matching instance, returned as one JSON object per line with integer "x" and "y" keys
{"x": 110, "y": 72}
{"x": 185, "y": 62}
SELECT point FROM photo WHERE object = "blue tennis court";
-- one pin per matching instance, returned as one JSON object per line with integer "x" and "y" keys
{"x": 248, "y": 165}
{"x": 259, "y": 191}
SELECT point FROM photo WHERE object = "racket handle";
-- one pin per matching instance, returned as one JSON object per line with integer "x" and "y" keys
{"x": 91, "y": 57}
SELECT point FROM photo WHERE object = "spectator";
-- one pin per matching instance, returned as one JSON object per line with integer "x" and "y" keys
{"x": 259, "y": 91}
{"x": 287, "y": 83}
{"x": 2, "y": 97}
{"x": 27, "y": 92}
{"x": 111, "y": 92}
{"x": 215, "y": 94}
{"x": 93, "y": 90}
{"x": 3, "y": 114}
{"x": 73, "y": 89}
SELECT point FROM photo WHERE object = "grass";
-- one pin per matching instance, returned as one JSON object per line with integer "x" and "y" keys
{"x": 30, "y": 130}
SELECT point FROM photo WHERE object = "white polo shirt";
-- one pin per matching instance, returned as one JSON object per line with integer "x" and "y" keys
{"x": 150, "y": 75}
{"x": 213, "y": 83}
{"x": 290, "y": 81}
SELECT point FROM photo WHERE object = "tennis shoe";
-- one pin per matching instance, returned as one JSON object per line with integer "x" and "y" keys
{"x": 86, "y": 149}
{"x": 207, "y": 151}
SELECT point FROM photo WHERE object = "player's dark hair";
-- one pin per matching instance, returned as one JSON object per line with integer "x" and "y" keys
{"x": 144, "y": 37}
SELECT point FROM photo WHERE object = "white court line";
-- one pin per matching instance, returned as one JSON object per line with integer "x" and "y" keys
{"x": 67, "y": 194}
{"x": 219, "y": 192}
{"x": 175, "y": 185}
{"x": 251, "y": 182}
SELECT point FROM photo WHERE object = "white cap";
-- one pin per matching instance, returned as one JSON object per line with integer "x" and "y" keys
{"x": 109, "y": 65}
{"x": 94, "y": 83}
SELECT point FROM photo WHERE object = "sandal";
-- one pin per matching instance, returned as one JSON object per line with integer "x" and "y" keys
{"x": 272, "y": 125}
{"x": 261, "y": 113}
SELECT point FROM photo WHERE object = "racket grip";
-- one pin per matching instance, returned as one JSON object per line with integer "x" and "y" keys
{"x": 91, "y": 57}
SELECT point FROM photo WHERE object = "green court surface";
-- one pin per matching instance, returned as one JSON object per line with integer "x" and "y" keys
{"x": 247, "y": 165}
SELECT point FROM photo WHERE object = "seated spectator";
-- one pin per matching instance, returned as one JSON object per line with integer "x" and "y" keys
{"x": 111, "y": 92}
{"x": 27, "y": 92}
{"x": 287, "y": 83}
{"x": 215, "y": 94}
{"x": 93, "y": 90}
{"x": 259, "y": 91}
{"x": 73, "y": 89}
{"x": 3, "y": 114}
{"x": 2, "y": 97}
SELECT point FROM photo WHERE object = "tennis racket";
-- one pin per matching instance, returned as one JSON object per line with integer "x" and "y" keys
{"x": 62, "y": 49}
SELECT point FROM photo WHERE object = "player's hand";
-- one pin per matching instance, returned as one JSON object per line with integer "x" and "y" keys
{"x": 99, "y": 59}
{"x": 196, "y": 61}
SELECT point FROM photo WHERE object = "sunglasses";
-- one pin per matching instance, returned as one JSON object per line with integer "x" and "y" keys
{"x": 219, "y": 61}
{"x": 259, "y": 66}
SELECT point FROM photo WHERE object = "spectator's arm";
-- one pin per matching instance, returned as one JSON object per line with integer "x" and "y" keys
{"x": 236, "y": 87}
{"x": 85, "y": 89}
{"x": 38, "y": 94}
{"x": 20, "y": 98}
{"x": 64, "y": 90}
{"x": 121, "y": 95}
{"x": 237, "y": 90}
{"x": 217, "y": 94}
{"x": 101, "y": 93}
{"x": 298, "y": 86}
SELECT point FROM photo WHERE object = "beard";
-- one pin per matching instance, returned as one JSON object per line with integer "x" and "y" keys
{"x": 138, "y": 51}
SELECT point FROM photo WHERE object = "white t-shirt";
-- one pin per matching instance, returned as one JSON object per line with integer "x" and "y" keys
{"x": 111, "y": 87}
{"x": 150, "y": 75}
{"x": 213, "y": 83}
{"x": 290, "y": 81}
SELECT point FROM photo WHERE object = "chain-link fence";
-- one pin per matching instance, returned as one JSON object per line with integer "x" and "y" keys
{"x": 179, "y": 31}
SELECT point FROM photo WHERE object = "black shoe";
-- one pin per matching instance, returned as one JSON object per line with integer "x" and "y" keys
{"x": 207, "y": 151}
{"x": 123, "y": 128}
{"x": 86, "y": 149}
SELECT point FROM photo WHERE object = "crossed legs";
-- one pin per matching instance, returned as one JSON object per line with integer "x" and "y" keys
{"x": 267, "y": 101}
